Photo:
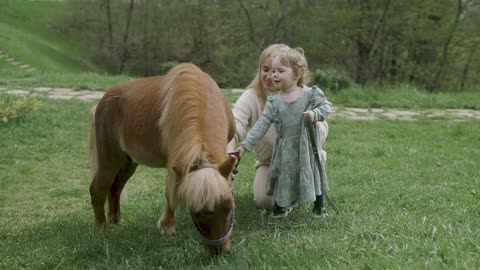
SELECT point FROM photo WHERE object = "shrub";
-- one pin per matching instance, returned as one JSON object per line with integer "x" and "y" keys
{"x": 13, "y": 108}
{"x": 331, "y": 79}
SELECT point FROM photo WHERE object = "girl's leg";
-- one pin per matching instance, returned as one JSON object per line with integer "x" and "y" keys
{"x": 262, "y": 200}
{"x": 318, "y": 207}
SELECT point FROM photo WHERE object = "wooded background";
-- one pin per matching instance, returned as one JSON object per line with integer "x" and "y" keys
{"x": 432, "y": 44}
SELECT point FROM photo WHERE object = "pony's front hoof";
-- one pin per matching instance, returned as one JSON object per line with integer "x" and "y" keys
{"x": 115, "y": 219}
{"x": 168, "y": 231}
{"x": 99, "y": 226}
{"x": 166, "y": 228}
{"x": 223, "y": 250}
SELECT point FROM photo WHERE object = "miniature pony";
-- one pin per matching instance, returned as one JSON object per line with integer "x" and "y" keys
{"x": 182, "y": 122}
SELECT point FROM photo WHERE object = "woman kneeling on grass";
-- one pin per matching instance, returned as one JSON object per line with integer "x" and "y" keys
{"x": 293, "y": 178}
{"x": 247, "y": 110}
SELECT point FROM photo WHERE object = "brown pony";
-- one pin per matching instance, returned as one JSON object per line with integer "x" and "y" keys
{"x": 180, "y": 121}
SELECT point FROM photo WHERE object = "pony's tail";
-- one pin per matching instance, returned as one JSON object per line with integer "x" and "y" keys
{"x": 92, "y": 150}
{"x": 92, "y": 144}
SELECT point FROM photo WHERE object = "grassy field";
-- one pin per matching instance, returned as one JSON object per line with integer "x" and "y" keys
{"x": 408, "y": 193}
{"x": 404, "y": 96}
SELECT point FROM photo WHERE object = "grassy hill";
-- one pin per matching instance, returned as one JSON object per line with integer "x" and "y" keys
{"x": 26, "y": 35}
{"x": 33, "y": 54}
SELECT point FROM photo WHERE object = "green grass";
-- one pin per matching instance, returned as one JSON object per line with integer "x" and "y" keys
{"x": 26, "y": 34}
{"x": 408, "y": 193}
{"x": 78, "y": 81}
{"x": 405, "y": 96}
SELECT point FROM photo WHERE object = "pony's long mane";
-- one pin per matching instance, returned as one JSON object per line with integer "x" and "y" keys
{"x": 183, "y": 104}
{"x": 203, "y": 190}
{"x": 184, "y": 101}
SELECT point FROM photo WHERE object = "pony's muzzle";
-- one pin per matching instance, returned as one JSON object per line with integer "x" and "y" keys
{"x": 222, "y": 245}
{"x": 224, "y": 249}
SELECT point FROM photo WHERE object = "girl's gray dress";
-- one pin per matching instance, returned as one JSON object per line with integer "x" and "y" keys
{"x": 293, "y": 177}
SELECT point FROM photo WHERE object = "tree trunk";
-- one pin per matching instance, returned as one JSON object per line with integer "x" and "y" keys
{"x": 109, "y": 27}
{"x": 124, "y": 58}
{"x": 443, "y": 62}
{"x": 251, "y": 27}
{"x": 466, "y": 68}
{"x": 363, "y": 50}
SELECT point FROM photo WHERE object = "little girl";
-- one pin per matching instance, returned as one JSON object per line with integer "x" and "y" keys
{"x": 294, "y": 178}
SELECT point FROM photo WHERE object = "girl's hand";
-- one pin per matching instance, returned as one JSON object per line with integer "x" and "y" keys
{"x": 309, "y": 115}
{"x": 240, "y": 151}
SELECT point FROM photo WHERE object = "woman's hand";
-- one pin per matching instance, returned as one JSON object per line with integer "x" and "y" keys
{"x": 240, "y": 151}
{"x": 309, "y": 115}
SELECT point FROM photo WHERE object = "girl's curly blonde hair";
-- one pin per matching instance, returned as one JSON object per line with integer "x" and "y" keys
{"x": 295, "y": 58}
{"x": 266, "y": 55}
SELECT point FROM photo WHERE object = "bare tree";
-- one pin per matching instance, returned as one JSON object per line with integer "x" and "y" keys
{"x": 250, "y": 26}
{"x": 466, "y": 68}
{"x": 274, "y": 16}
{"x": 124, "y": 56}
{"x": 108, "y": 14}
{"x": 461, "y": 7}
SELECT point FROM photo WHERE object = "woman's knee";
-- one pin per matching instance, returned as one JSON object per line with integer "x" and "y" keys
{"x": 265, "y": 202}
{"x": 262, "y": 200}
{"x": 323, "y": 130}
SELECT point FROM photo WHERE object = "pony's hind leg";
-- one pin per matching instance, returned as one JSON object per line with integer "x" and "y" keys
{"x": 101, "y": 183}
{"x": 114, "y": 214}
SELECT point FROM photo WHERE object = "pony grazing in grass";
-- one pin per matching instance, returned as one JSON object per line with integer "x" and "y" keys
{"x": 182, "y": 122}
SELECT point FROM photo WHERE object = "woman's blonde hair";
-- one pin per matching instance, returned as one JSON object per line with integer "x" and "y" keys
{"x": 267, "y": 54}
{"x": 295, "y": 58}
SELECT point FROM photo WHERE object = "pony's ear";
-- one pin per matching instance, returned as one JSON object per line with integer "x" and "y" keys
{"x": 227, "y": 166}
